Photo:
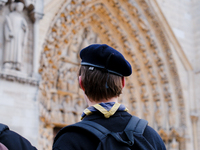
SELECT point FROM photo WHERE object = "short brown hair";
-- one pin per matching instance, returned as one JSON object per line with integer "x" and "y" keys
{"x": 94, "y": 82}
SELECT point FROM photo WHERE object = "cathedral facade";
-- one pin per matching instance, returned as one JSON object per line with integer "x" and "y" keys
{"x": 40, "y": 41}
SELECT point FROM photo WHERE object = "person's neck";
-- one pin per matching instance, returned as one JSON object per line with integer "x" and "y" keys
{"x": 91, "y": 102}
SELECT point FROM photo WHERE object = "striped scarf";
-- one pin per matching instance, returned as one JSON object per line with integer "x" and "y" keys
{"x": 107, "y": 109}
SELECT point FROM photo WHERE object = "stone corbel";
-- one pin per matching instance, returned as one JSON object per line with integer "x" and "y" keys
{"x": 36, "y": 10}
{"x": 36, "y": 16}
{"x": 2, "y": 3}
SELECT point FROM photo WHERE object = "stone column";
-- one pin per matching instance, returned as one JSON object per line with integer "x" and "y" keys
{"x": 36, "y": 43}
{"x": 36, "y": 16}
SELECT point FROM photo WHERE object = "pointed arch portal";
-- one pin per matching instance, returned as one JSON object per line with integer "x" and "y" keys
{"x": 153, "y": 91}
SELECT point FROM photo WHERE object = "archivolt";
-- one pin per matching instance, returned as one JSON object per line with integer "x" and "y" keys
{"x": 152, "y": 92}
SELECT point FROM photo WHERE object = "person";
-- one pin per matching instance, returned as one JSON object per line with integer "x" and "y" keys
{"x": 12, "y": 140}
{"x": 101, "y": 77}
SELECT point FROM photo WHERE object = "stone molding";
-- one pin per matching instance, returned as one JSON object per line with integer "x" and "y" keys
{"x": 19, "y": 77}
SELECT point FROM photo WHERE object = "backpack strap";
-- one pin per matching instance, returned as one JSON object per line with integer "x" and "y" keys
{"x": 96, "y": 129}
{"x": 101, "y": 132}
{"x": 93, "y": 127}
{"x": 135, "y": 125}
{"x": 3, "y": 127}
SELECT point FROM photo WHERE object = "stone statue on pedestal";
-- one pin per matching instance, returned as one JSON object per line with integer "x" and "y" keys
{"x": 15, "y": 33}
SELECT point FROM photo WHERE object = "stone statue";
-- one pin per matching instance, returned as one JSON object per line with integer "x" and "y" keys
{"x": 134, "y": 108}
{"x": 174, "y": 145}
{"x": 171, "y": 117}
{"x": 72, "y": 83}
{"x": 144, "y": 94}
{"x": 62, "y": 81}
{"x": 79, "y": 107}
{"x": 15, "y": 33}
{"x": 56, "y": 114}
{"x": 69, "y": 110}
{"x": 158, "y": 115}
{"x": 89, "y": 37}
{"x": 73, "y": 49}
{"x": 143, "y": 25}
{"x": 146, "y": 111}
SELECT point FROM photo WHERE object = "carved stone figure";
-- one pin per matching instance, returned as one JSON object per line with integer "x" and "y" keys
{"x": 73, "y": 49}
{"x": 143, "y": 25}
{"x": 72, "y": 83}
{"x": 155, "y": 92}
{"x": 140, "y": 77}
{"x": 44, "y": 115}
{"x": 16, "y": 30}
{"x": 89, "y": 37}
{"x": 56, "y": 114}
{"x": 171, "y": 112}
{"x": 79, "y": 107}
{"x": 158, "y": 115}
{"x": 174, "y": 145}
{"x": 62, "y": 81}
{"x": 167, "y": 92}
{"x": 69, "y": 110}
{"x": 134, "y": 108}
{"x": 146, "y": 111}
{"x": 144, "y": 94}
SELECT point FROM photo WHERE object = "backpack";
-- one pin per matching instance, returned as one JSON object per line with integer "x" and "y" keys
{"x": 19, "y": 142}
{"x": 111, "y": 140}
{"x": 3, "y": 128}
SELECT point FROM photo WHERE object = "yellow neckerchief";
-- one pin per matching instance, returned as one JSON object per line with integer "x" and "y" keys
{"x": 107, "y": 109}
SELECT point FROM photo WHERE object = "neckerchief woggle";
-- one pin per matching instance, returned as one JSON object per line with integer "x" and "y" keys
{"x": 107, "y": 109}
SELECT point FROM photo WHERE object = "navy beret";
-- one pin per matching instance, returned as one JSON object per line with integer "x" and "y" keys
{"x": 105, "y": 57}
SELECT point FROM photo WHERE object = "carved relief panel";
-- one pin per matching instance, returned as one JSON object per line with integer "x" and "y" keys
{"x": 129, "y": 27}
{"x": 61, "y": 100}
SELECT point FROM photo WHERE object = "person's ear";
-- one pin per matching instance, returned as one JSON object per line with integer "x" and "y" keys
{"x": 80, "y": 83}
{"x": 123, "y": 82}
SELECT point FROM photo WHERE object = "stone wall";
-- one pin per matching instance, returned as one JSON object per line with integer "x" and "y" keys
{"x": 180, "y": 16}
{"x": 184, "y": 19}
{"x": 19, "y": 109}
{"x": 18, "y": 87}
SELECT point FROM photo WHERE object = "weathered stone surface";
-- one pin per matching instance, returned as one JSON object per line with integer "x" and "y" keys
{"x": 19, "y": 108}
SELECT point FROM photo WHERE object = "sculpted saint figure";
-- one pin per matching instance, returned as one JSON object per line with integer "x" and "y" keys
{"x": 16, "y": 30}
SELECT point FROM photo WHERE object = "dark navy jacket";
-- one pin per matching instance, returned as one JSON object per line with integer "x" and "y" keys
{"x": 82, "y": 140}
{"x": 14, "y": 141}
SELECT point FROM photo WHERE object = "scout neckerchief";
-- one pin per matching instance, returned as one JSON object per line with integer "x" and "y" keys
{"x": 107, "y": 109}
